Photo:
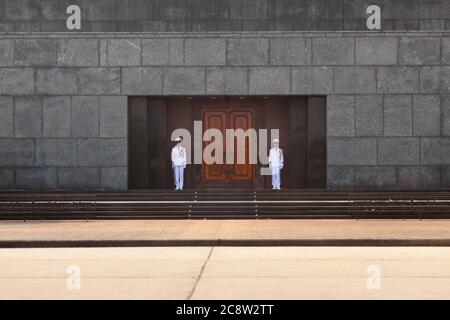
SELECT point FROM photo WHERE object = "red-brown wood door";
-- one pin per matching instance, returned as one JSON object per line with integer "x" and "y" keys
{"x": 241, "y": 119}
{"x": 214, "y": 120}
{"x": 238, "y": 174}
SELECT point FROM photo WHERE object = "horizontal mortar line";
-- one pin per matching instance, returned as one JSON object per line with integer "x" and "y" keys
{"x": 173, "y": 259}
{"x": 143, "y": 259}
{"x": 175, "y": 202}
{"x": 99, "y": 277}
{"x": 216, "y": 202}
{"x": 320, "y": 276}
{"x": 209, "y": 243}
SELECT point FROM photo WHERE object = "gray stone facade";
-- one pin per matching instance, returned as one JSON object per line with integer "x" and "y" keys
{"x": 221, "y": 15}
{"x": 63, "y": 98}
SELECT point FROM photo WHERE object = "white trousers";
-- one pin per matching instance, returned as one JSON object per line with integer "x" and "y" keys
{"x": 178, "y": 173}
{"x": 276, "y": 177}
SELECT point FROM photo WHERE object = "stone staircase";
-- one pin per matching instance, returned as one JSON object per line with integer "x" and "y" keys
{"x": 224, "y": 204}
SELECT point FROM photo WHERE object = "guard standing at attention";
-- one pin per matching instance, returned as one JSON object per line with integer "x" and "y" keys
{"x": 276, "y": 162}
{"x": 179, "y": 160}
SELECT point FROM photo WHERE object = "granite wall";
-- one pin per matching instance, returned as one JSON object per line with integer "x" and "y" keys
{"x": 63, "y": 98}
{"x": 222, "y": 15}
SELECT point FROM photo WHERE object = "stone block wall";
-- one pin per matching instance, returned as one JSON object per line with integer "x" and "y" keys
{"x": 63, "y": 142}
{"x": 222, "y": 15}
{"x": 63, "y": 98}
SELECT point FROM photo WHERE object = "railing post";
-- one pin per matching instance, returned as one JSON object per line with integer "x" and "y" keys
{"x": 32, "y": 206}
{"x": 256, "y": 204}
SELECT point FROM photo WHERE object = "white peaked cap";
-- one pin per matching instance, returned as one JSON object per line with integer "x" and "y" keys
{"x": 276, "y": 140}
{"x": 177, "y": 139}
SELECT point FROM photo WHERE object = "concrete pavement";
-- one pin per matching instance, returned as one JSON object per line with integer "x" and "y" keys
{"x": 224, "y": 232}
{"x": 226, "y": 273}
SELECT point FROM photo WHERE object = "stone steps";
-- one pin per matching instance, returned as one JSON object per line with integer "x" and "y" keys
{"x": 224, "y": 204}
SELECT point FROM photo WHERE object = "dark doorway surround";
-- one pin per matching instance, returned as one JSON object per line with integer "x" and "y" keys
{"x": 301, "y": 121}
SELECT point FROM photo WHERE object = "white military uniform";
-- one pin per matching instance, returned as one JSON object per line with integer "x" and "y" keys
{"x": 276, "y": 162}
{"x": 179, "y": 161}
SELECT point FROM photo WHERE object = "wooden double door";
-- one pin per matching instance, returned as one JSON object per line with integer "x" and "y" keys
{"x": 230, "y": 169}
{"x": 302, "y": 132}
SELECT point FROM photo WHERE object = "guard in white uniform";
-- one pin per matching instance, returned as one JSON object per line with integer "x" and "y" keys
{"x": 179, "y": 160}
{"x": 276, "y": 162}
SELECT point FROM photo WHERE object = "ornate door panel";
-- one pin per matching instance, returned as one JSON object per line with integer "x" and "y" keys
{"x": 241, "y": 119}
{"x": 214, "y": 120}
{"x": 236, "y": 173}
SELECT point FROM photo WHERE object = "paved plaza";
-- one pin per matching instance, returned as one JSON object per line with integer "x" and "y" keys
{"x": 226, "y": 273}
{"x": 214, "y": 231}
